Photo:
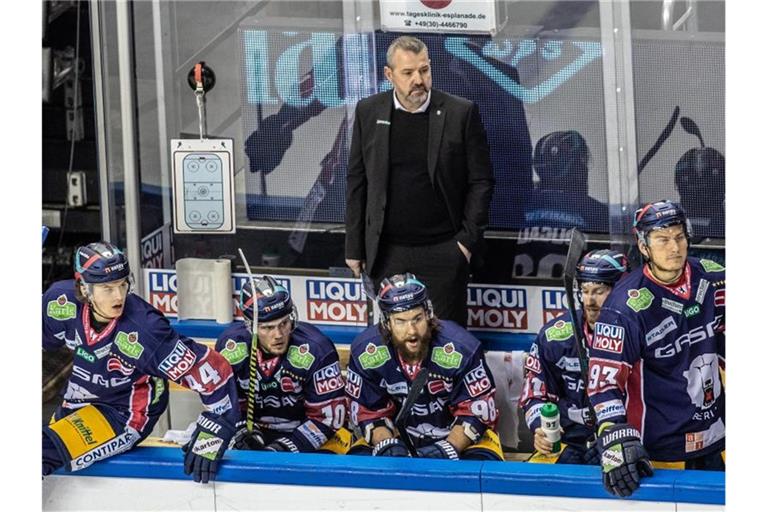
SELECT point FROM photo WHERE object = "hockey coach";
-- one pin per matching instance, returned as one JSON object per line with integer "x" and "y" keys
{"x": 419, "y": 182}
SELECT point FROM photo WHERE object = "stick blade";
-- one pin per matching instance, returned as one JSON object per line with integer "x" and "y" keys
{"x": 368, "y": 286}
{"x": 576, "y": 248}
{"x": 370, "y": 297}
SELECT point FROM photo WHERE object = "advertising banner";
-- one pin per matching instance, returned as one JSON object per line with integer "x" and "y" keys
{"x": 341, "y": 301}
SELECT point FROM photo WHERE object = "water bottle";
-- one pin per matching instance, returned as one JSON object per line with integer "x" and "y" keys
{"x": 550, "y": 424}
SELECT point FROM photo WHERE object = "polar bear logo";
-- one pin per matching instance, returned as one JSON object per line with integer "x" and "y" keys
{"x": 703, "y": 380}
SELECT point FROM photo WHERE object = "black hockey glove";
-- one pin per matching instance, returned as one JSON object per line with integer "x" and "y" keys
{"x": 623, "y": 458}
{"x": 592, "y": 456}
{"x": 244, "y": 440}
{"x": 207, "y": 446}
{"x": 589, "y": 418}
{"x": 439, "y": 450}
{"x": 391, "y": 447}
{"x": 282, "y": 444}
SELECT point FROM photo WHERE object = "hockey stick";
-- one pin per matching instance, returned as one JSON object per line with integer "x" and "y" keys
{"x": 575, "y": 250}
{"x": 661, "y": 140}
{"x": 691, "y": 127}
{"x": 252, "y": 360}
{"x": 405, "y": 411}
{"x": 370, "y": 297}
{"x": 324, "y": 181}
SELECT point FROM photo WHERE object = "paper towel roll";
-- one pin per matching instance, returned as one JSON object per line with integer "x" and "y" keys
{"x": 204, "y": 289}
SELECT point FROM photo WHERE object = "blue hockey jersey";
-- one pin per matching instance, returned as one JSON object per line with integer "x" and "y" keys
{"x": 655, "y": 357}
{"x": 553, "y": 374}
{"x": 459, "y": 384}
{"x": 128, "y": 363}
{"x": 300, "y": 395}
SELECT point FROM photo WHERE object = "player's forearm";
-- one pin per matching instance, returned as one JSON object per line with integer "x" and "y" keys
{"x": 379, "y": 434}
{"x": 458, "y": 439}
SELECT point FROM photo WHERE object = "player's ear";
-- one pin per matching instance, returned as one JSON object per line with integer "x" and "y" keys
{"x": 388, "y": 73}
{"x": 643, "y": 249}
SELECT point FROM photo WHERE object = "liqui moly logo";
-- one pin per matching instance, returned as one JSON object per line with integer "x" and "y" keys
{"x": 328, "y": 379}
{"x": 609, "y": 338}
{"x": 161, "y": 290}
{"x": 152, "y": 249}
{"x": 497, "y": 308}
{"x": 331, "y": 301}
{"x": 553, "y": 304}
{"x": 477, "y": 381}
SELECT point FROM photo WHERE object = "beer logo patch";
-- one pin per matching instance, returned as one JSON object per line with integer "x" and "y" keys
{"x": 300, "y": 356}
{"x": 639, "y": 300}
{"x": 712, "y": 266}
{"x": 235, "y": 352}
{"x": 128, "y": 344}
{"x": 446, "y": 357}
{"x": 61, "y": 309}
{"x": 561, "y": 331}
{"x": 373, "y": 356}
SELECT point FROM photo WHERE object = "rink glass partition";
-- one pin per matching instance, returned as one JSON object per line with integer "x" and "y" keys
{"x": 289, "y": 75}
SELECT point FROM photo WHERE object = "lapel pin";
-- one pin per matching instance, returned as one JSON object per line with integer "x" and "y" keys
{"x": 439, "y": 112}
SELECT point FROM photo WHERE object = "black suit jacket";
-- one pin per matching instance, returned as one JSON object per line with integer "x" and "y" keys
{"x": 458, "y": 161}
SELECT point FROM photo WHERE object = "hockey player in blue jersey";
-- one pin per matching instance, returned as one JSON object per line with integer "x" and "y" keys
{"x": 654, "y": 376}
{"x": 553, "y": 371}
{"x": 454, "y": 414}
{"x": 125, "y": 351}
{"x": 297, "y": 403}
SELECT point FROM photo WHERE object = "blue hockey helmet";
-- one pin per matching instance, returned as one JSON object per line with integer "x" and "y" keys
{"x": 561, "y": 160}
{"x": 659, "y": 215}
{"x": 402, "y": 292}
{"x": 601, "y": 266}
{"x": 273, "y": 299}
{"x": 100, "y": 262}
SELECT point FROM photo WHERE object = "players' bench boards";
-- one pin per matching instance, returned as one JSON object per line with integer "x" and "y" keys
{"x": 247, "y": 478}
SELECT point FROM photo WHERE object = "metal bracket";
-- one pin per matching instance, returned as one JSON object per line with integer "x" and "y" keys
{"x": 76, "y": 194}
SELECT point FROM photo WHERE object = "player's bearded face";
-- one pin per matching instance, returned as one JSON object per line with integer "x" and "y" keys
{"x": 411, "y": 76}
{"x": 667, "y": 251}
{"x": 593, "y": 296}
{"x": 108, "y": 299}
{"x": 275, "y": 335}
{"x": 410, "y": 333}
